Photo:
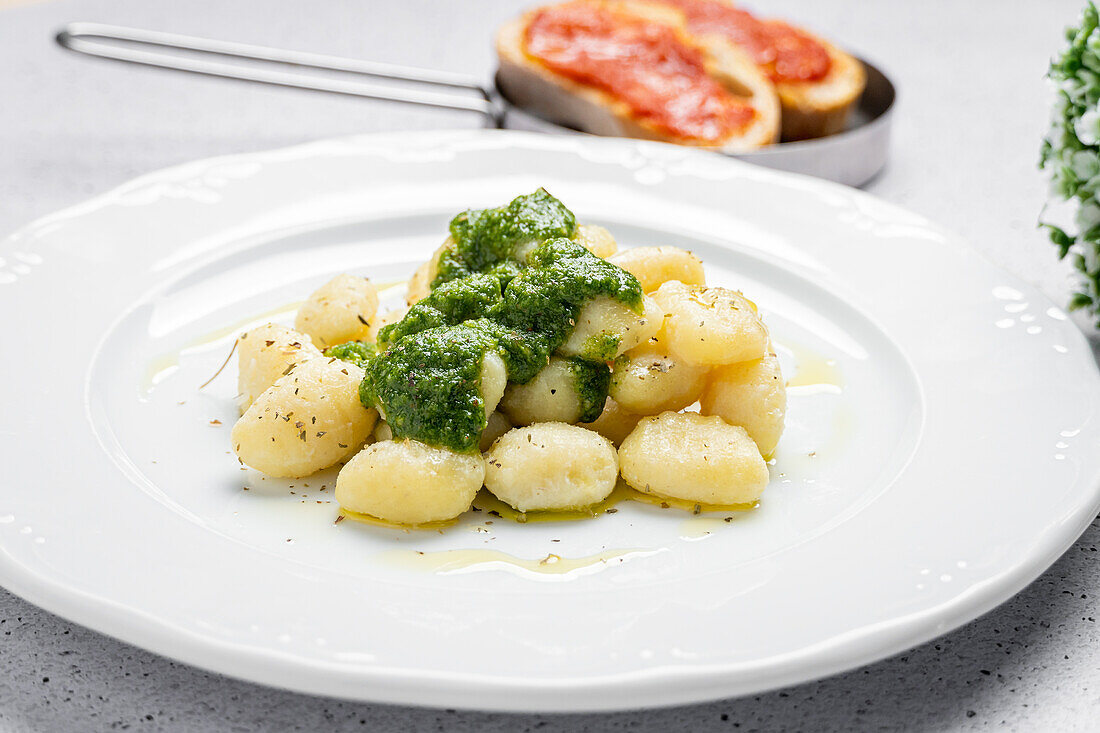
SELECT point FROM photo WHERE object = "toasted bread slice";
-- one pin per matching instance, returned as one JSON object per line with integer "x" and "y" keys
{"x": 818, "y": 108}
{"x": 810, "y": 108}
{"x": 531, "y": 85}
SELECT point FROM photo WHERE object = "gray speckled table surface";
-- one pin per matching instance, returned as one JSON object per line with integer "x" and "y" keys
{"x": 973, "y": 107}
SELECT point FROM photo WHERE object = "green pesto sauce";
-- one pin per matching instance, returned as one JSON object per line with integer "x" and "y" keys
{"x": 428, "y": 386}
{"x": 484, "y": 237}
{"x": 544, "y": 300}
{"x": 602, "y": 346}
{"x": 451, "y": 303}
{"x": 357, "y": 352}
{"x": 591, "y": 380}
{"x": 427, "y": 380}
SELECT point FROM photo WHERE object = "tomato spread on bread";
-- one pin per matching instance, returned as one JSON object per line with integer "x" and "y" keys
{"x": 661, "y": 76}
{"x": 783, "y": 52}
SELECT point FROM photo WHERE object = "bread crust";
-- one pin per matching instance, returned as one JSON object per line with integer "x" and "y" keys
{"x": 817, "y": 108}
{"x": 537, "y": 89}
{"x": 812, "y": 108}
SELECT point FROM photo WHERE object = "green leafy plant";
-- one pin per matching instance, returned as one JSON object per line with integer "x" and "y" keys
{"x": 1071, "y": 154}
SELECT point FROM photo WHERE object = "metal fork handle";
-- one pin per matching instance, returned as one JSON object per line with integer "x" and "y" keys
{"x": 139, "y": 46}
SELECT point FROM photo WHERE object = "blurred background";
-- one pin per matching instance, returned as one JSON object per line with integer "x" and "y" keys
{"x": 973, "y": 107}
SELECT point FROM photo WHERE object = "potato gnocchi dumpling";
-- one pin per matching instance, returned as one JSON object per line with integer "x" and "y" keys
{"x": 382, "y": 431}
{"x": 654, "y": 266}
{"x": 420, "y": 284}
{"x": 647, "y": 381}
{"x": 266, "y": 353}
{"x": 751, "y": 394}
{"x": 496, "y": 425}
{"x": 310, "y": 419}
{"x": 382, "y": 320}
{"x": 597, "y": 240}
{"x": 606, "y": 328}
{"x": 338, "y": 311}
{"x": 711, "y": 325}
{"x": 555, "y": 394}
{"x": 614, "y": 423}
{"x": 697, "y": 458}
{"x": 494, "y": 380}
{"x": 551, "y": 466}
{"x": 407, "y": 482}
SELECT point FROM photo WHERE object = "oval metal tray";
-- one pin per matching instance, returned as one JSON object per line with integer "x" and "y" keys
{"x": 852, "y": 157}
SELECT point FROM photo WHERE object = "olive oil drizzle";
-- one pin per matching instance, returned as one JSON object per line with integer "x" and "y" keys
{"x": 487, "y": 504}
{"x": 813, "y": 370}
{"x": 376, "y": 522}
{"x": 455, "y": 561}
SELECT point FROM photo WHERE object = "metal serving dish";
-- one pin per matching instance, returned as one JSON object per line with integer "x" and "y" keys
{"x": 851, "y": 157}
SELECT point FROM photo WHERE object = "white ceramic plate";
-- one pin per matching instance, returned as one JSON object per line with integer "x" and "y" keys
{"x": 941, "y": 451}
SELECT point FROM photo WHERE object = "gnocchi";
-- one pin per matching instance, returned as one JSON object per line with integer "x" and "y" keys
{"x": 751, "y": 394}
{"x": 382, "y": 320}
{"x": 546, "y": 367}
{"x": 606, "y": 328}
{"x": 597, "y": 240}
{"x": 654, "y": 266}
{"x": 711, "y": 325}
{"x": 406, "y": 482}
{"x": 648, "y": 381}
{"x": 494, "y": 380}
{"x": 310, "y": 419}
{"x": 496, "y": 425}
{"x": 614, "y": 423}
{"x": 693, "y": 457}
{"x": 266, "y": 353}
{"x": 551, "y": 466}
{"x": 339, "y": 311}
{"x": 382, "y": 431}
{"x": 420, "y": 284}
{"x": 561, "y": 392}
